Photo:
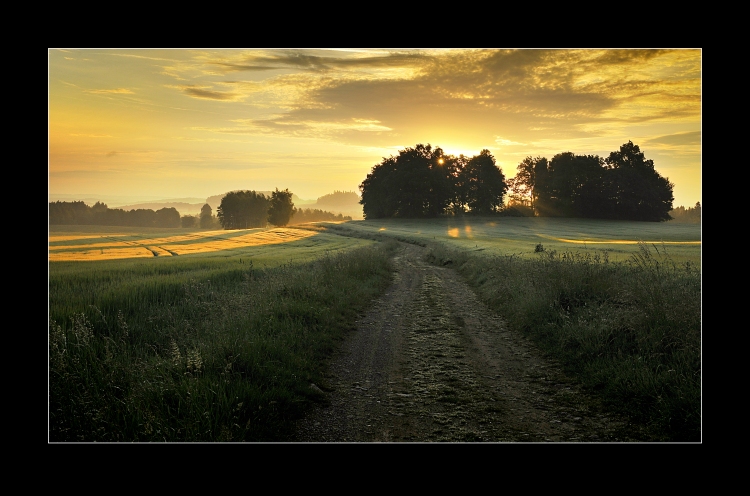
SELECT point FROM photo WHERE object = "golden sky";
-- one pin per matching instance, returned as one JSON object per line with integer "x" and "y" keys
{"x": 196, "y": 123}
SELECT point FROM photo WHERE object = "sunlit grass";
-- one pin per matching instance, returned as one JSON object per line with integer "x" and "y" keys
{"x": 133, "y": 245}
{"x": 101, "y": 254}
{"x": 520, "y": 236}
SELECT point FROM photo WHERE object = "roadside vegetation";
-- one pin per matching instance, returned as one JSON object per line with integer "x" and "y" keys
{"x": 630, "y": 332}
{"x": 200, "y": 348}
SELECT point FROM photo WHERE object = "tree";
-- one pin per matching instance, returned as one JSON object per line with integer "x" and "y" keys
{"x": 636, "y": 190}
{"x": 485, "y": 184}
{"x": 206, "y": 216}
{"x": 167, "y": 217}
{"x": 281, "y": 208}
{"x": 419, "y": 182}
{"x": 378, "y": 194}
{"x": 524, "y": 185}
{"x": 188, "y": 221}
{"x": 574, "y": 186}
{"x": 243, "y": 210}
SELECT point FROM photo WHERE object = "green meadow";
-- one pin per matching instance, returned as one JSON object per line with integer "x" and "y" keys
{"x": 224, "y": 343}
{"x": 220, "y": 345}
{"x": 520, "y": 236}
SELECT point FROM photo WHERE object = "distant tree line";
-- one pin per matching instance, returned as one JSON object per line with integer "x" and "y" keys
{"x": 338, "y": 199}
{"x": 316, "y": 215}
{"x": 690, "y": 215}
{"x": 425, "y": 182}
{"x": 238, "y": 210}
{"x": 78, "y": 213}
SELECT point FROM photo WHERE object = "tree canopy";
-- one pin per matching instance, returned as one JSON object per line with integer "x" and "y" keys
{"x": 243, "y": 210}
{"x": 206, "y": 216}
{"x": 425, "y": 182}
{"x": 281, "y": 208}
{"x": 484, "y": 183}
{"x": 623, "y": 186}
{"x": 637, "y": 191}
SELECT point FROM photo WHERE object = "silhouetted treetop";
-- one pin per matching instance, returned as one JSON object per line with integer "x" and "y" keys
{"x": 425, "y": 182}
{"x": 625, "y": 186}
{"x": 281, "y": 208}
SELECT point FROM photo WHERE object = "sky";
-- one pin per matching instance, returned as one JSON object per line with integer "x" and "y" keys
{"x": 142, "y": 124}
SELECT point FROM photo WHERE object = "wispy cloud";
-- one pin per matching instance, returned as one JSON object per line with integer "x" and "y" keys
{"x": 504, "y": 142}
{"x": 204, "y": 92}
{"x": 116, "y": 91}
{"x": 298, "y": 59}
{"x": 678, "y": 139}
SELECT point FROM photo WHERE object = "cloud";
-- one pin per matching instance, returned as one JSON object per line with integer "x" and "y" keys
{"x": 521, "y": 95}
{"x": 481, "y": 92}
{"x": 627, "y": 57}
{"x": 297, "y": 59}
{"x": 504, "y": 142}
{"x": 111, "y": 154}
{"x": 122, "y": 91}
{"x": 689, "y": 138}
{"x": 304, "y": 128}
{"x": 201, "y": 92}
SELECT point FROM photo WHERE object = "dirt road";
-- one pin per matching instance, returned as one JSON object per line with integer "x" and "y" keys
{"x": 430, "y": 363}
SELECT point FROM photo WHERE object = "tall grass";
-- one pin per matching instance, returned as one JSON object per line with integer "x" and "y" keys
{"x": 631, "y": 332}
{"x": 229, "y": 355}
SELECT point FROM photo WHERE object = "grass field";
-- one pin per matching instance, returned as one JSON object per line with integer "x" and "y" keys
{"x": 72, "y": 244}
{"x": 81, "y": 277}
{"x": 218, "y": 335}
{"x": 520, "y": 236}
{"x": 220, "y": 343}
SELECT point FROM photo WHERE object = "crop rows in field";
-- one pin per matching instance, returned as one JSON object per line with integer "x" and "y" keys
{"x": 67, "y": 247}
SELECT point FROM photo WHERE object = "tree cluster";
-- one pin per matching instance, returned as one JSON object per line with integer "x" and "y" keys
{"x": 316, "y": 215}
{"x": 425, "y": 182}
{"x": 78, "y": 213}
{"x": 338, "y": 200}
{"x": 691, "y": 215}
{"x": 248, "y": 209}
{"x": 622, "y": 186}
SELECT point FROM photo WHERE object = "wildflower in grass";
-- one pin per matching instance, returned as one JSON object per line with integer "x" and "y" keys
{"x": 57, "y": 345}
{"x": 82, "y": 329}
{"x": 194, "y": 361}
{"x": 176, "y": 355}
{"x": 122, "y": 325}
